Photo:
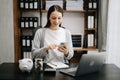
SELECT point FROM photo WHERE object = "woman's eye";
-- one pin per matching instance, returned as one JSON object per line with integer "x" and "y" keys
{"x": 59, "y": 18}
{"x": 53, "y": 18}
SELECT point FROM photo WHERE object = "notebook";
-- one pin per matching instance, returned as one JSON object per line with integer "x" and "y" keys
{"x": 57, "y": 65}
{"x": 89, "y": 63}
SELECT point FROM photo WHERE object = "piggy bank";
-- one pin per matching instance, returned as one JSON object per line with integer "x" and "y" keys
{"x": 25, "y": 65}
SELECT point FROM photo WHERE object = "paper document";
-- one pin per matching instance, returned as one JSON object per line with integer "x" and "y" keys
{"x": 57, "y": 65}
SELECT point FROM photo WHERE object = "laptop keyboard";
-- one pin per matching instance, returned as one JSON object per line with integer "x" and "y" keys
{"x": 70, "y": 69}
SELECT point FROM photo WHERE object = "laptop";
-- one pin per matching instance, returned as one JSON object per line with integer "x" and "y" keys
{"x": 89, "y": 63}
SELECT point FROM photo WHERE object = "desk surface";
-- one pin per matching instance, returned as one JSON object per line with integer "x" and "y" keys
{"x": 10, "y": 71}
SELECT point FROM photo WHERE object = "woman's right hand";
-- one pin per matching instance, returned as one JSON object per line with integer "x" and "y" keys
{"x": 50, "y": 47}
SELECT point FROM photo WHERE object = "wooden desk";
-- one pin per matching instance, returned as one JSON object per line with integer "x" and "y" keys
{"x": 10, "y": 71}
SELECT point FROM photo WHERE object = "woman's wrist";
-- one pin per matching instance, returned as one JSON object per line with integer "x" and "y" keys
{"x": 46, "y": 49}
{"x": 66, "y": 53}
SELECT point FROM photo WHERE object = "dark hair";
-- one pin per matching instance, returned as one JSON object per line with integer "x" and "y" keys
{"x": 51, "y": 9}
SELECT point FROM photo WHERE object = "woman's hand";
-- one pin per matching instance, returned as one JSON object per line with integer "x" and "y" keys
{"x": 64, "y": 49}
{"x": 51, "y": 46}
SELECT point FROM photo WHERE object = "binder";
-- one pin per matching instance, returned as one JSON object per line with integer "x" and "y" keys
{"x": 31, "y": 41}
{"x": 90, "y": 40}
{"x": 90, "y": 21}
{"x": 23, "y": 41}
{"x": 26, "y": 22}
{"x": 85, "y": 41}
{"x": 28, "y": 41}
{"x": 90, "y": 4}
{"x": 26, "y": 4}
{"x": 31, "y": 22}
{"x": 22, "y": 22}
{"x": 95, "y": 4}
{"x": 21, "y": 4}
{"x": 35, "y": 4}
{"x": 31, "y": 6}
{"x": 35, "y": 22}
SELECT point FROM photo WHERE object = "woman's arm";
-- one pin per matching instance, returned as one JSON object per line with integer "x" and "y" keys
{"x": 69, "y": 45}
{"x": 37, "y": 47}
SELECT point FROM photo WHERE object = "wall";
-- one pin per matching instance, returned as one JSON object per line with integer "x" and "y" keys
{"x": 113, "y": 36}
{"x": 6, "y": 31}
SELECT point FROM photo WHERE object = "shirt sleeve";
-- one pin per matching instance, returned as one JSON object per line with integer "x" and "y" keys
{"x": 69, "y": 45}
{"x": 37, "y": 49}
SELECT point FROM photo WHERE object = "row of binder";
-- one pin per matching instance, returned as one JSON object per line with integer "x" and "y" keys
{"x": 92, "y": 4}
{"x": 37, "y": 4}
{"x": 91, "y": 21}
{"x": 29, "y": 4}
{"x": 28, "y": 22}
{"x": 26, "y": 41}
{"x": 27, "y": 54}
{"x": 91, "y": 41}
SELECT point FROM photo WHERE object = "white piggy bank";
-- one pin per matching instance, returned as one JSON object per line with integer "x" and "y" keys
{"x": 25, "y": 65}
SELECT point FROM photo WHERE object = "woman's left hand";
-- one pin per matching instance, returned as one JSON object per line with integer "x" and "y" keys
{"x": 64, "y": 49}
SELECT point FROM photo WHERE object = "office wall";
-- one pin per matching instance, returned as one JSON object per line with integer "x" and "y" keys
{"x": 113, "y": 39}
{"x": 6, "y": 31}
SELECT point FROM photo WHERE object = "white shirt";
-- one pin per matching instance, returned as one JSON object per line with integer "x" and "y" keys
{"x": 42, "y": 38}
{"x": 55, "y": 37}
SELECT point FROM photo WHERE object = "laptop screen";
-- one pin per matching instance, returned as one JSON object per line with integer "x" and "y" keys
{"x": 90, "y": 63}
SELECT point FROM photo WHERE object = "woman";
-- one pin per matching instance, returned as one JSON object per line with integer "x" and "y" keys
{"x": 47, "y": 41}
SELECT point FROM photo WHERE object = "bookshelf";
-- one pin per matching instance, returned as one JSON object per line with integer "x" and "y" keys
{"x": 90, "y": 8}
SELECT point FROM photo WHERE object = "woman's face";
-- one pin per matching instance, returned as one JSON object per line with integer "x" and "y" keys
{"x": 55, "y": 19}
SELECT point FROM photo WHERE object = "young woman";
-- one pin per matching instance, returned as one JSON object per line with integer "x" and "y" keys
{"x": 47, "y": 41}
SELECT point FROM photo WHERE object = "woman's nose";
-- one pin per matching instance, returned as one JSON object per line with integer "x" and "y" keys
{"x": 56, "y": 20}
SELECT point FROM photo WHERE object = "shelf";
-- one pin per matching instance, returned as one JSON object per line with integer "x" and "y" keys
{"x": 44, "y": 11}
{"x": 90, "y": 28}
{"x": 85, "y": 49}
{"x": 68, "y": 10}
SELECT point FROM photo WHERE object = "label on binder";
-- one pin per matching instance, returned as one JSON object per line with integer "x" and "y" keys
{"x": 35, "y": 24}
{"x": 28, "y": 42}
{"x": 26, "y": 24}
{"x": 22, "y": 24}
{"x": 23, "y": 42}
{"x": 31, "y": 5}
{"x": 94, "y": 5}
{"x": 35, "y": 5}
{"x": 21, "y": 5}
